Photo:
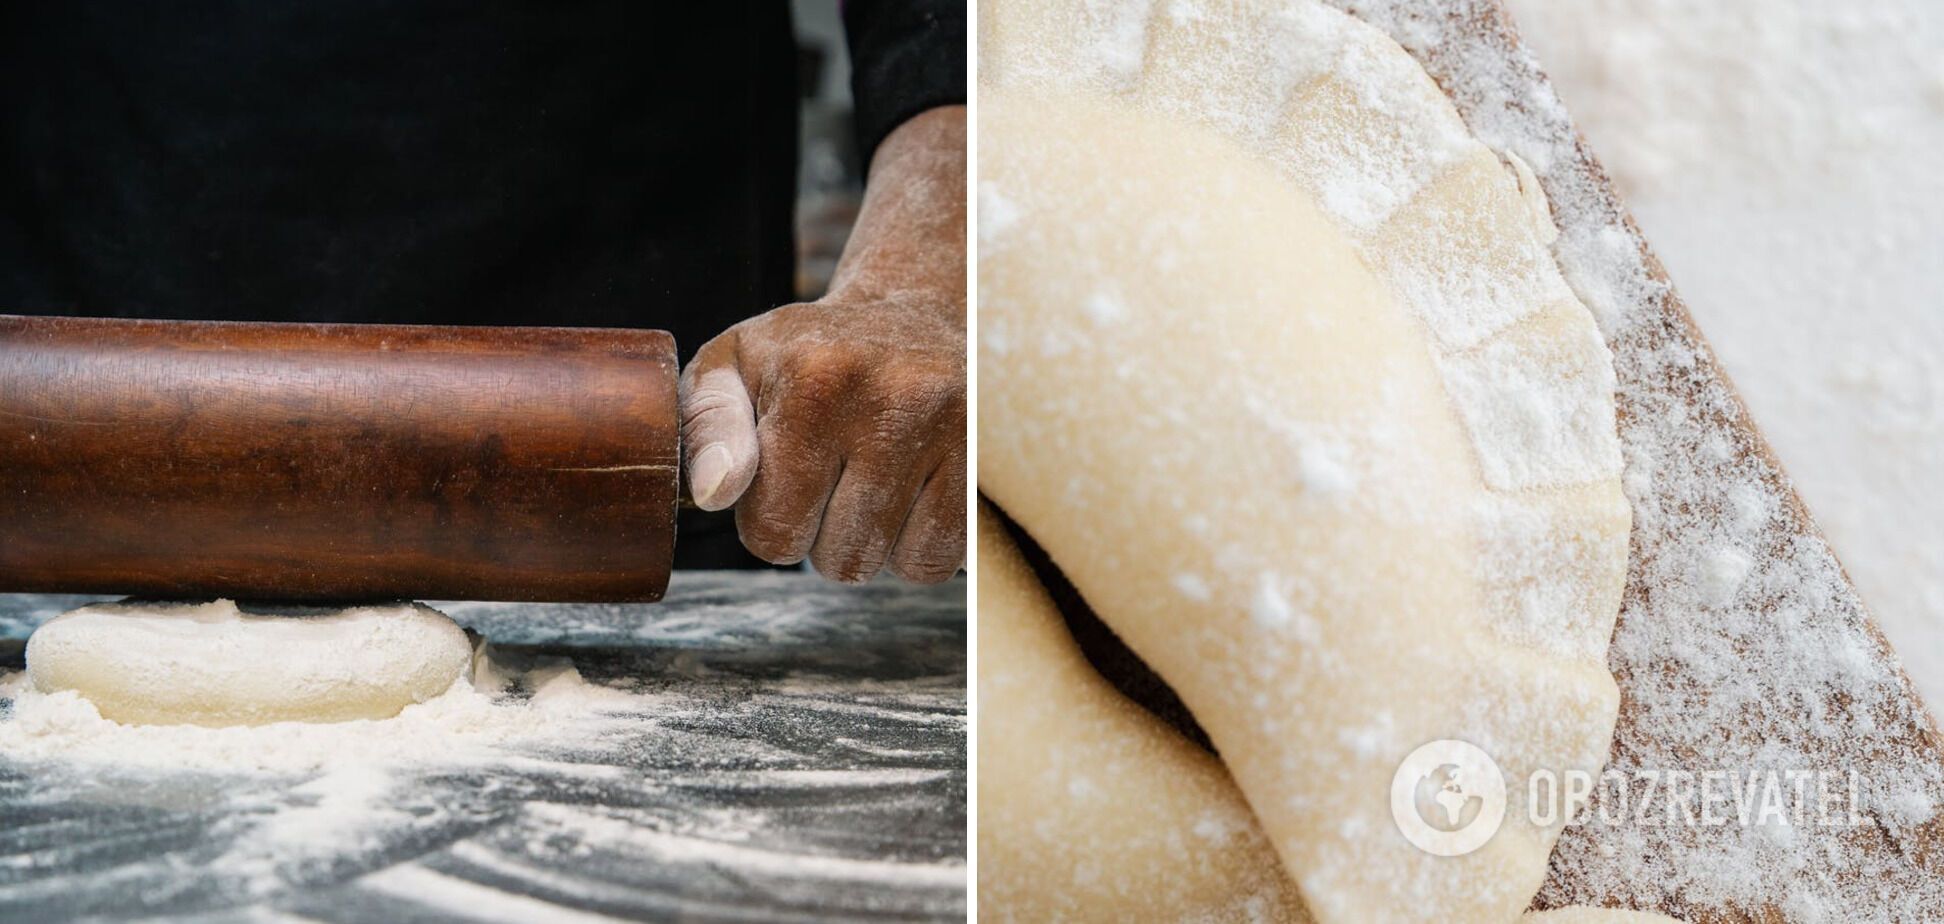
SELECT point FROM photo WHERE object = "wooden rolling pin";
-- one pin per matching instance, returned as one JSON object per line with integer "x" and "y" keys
{"x": 336, "y": 461}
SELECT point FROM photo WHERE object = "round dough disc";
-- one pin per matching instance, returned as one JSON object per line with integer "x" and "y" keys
{"x": 215, "y": 665}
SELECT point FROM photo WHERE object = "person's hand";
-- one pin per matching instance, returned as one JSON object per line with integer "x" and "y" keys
{"x": 836, "y": 428}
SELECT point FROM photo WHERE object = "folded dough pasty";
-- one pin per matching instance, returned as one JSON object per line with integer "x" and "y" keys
{"x": 1275, "y": 364}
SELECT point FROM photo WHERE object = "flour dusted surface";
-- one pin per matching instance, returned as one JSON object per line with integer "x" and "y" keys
{"x": 756, "y": 742}
{"x": 1782, "y": 156}
{"x": 1741, "y": 646}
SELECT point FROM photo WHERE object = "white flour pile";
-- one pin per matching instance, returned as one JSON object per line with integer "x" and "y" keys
{"x": 313, "y": 791}
{"x": 1782, "y": 157}
{"x": 1740, "y": 646}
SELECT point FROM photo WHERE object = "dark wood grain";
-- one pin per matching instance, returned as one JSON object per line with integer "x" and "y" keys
{"x": 308, "y": 461}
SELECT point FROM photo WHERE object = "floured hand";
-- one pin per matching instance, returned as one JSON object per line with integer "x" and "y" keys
{"x": 836, "y": 428}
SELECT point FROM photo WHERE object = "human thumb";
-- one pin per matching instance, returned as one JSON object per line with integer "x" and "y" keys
{"x": 718, "y": 426}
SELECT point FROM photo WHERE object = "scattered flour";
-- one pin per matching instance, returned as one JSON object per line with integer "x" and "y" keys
{"x": 1782, "y": 156}
{"x": 609, "y": 829}
{"x": 1269, "y": 608}
{"x": 1795, "y": 144}
{"x": 996, "y": 214}
{"x": 1741, "y": 646}
{"x": 1191, "y": 586}
{"x": 1105, "y": 308}
{"x": 769, "y": 711}
{"x": 316, "y": 793}
{"x": 1296, "y": 90}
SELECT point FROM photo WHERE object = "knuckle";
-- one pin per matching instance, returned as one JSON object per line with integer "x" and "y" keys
{"x": 851, "y": 552}
{"x": 849, "y": 564}
{"x": 918, "y": 393}
{"x": 771, "y": 538}
{"x": 907, "y": 402}
{"x": 712, "y": 353}
{"x": 921, "y": 375}
{"x": 932, "y": 554}
{"x": 927, "y": 567}
{"x": 821, "y": 361}
{"x": 818, "y": 383}
{"x": 774, "y": 551}
{"x": 708, "y": 402}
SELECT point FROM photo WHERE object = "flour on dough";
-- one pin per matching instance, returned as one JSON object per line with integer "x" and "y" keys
{"x": 1341, "y": 464}
{"x": 1090, "y": 808}
{"x": 212, "y": 664}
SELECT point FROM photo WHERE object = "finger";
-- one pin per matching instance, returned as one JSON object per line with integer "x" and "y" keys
{"x": 800, "y": 463}
{"x": 931, "y": 546}
{"x": 718, "y": 426}
{"x": 872, "y": 499}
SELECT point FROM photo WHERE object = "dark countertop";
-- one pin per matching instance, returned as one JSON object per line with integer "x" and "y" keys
{"x": 804, "y": 758}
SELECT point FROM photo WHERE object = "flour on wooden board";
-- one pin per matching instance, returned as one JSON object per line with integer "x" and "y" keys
{"x": 1742, "y": 646}
{"x": 1781, "y": 155}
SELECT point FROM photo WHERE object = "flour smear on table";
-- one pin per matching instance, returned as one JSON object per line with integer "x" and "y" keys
{"x": 316, "y": 794}
{"x": 1781, "y": 155}
{"x": 344, "y": 780}
{"x": 760, "y": 741}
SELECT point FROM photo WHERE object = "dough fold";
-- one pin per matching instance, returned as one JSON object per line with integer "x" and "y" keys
{"x": 1090, "y": 808}
{"x": 1274, "y": 364}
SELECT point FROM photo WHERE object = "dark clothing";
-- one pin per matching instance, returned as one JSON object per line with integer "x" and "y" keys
{"x": 906, "y": 57}
{"x": 498, "y": 162}
{"x": 627, "y": 164}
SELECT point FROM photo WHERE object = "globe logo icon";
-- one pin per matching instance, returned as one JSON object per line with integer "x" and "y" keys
{"x": 1442, "y": 802}
{"x": 1448, "y": 798}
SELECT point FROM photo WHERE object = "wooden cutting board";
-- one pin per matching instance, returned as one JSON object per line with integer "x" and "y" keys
{"x": 1742, "y": 647}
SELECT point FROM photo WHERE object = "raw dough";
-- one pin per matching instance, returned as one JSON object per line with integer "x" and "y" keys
{"x": 1275, "y": 364}
{"x": 211, "y": 664}
{"x": 1090, "y": 808}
